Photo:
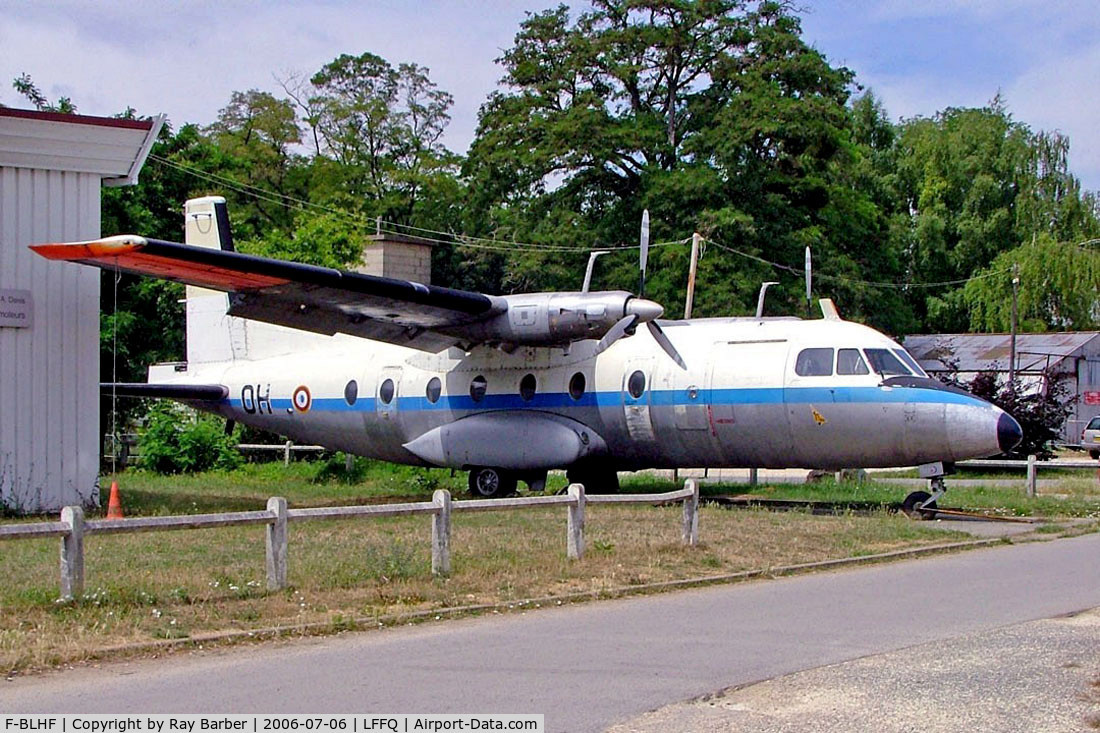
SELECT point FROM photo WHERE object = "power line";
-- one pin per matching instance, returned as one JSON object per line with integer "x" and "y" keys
{"x": 388, "y": 227}
{"x": 856, "y": 281}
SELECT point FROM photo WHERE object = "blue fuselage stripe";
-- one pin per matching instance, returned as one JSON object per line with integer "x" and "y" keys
{"x": 661, "y": 398}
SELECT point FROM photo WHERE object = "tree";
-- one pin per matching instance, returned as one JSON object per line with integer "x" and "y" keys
{"x": 26, "y": 86}
{"x": 258, "y": 133}
{"x": 1059, "y": 288}
{"x": 1041, "y": 413}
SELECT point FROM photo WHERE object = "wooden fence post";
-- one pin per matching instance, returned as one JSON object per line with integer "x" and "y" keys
{"x": 72, "y": 553}
{"x": 1031, "y": 476}
{"x": 575, "y": 523}
{"x": 690, "y": 532}
{"x": 276, "y": 544}
{"x": 441, "y": 533}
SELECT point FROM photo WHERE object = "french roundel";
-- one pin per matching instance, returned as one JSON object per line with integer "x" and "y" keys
{"x": 302, "y": 399}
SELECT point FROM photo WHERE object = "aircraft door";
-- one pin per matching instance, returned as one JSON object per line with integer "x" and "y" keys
{"x": 747, "y": 415}
{"x": 636, "y": 393}
{"x": 387, "y": 392}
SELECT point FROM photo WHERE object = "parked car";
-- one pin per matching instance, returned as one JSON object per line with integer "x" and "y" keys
{"x": 1090, "y": 437}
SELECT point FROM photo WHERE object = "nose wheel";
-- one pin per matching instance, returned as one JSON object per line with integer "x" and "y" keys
{"x": 921, "y": 504}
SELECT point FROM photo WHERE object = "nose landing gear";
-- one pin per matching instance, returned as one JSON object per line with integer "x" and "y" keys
{"x": 921, "y": 504}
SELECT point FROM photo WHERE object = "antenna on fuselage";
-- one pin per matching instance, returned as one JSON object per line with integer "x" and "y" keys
{"x": 760, "y": 298}
{"x": 588, "y": 271}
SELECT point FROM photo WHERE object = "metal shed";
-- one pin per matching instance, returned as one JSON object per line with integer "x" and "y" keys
{"x": 51, "y": 170}
{"x": 1072, "y": 355}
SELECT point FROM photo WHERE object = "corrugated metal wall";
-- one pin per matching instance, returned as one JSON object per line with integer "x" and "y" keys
{"x": 49, "y": 373}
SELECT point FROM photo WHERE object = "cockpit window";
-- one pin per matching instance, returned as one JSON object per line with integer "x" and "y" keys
{"x": 814, "y": 363}
{"x": 886, "y": 364}
{"x": 849, "y": 361}
{"x": 910, "y": 362}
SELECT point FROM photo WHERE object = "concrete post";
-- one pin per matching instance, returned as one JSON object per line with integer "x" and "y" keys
{"x": 286, "y": 453}
{"x": 690, "y": 534}
{"x": 276, "y": 544}
{"x": 754, "y": 476}
{"x": 441, "y": 533}
{"x": 349, "y": 462}
{"x": 72, "y": 553}
{"x": 1031, "y": 476}
{"x": 575, "y": 524}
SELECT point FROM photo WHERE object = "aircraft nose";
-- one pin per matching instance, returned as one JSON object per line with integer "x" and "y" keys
{"x": 1009, "y": 432}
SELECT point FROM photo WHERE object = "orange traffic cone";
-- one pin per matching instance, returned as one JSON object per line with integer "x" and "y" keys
{"x": 114, "y": 506}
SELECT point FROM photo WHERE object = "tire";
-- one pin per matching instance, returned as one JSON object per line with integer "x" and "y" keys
{"x": 909, "y": 506}
{"x": 491, "y": 483}
{"x": 1095, "y": 454}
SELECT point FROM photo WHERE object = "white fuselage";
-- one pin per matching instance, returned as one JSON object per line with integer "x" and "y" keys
{"x": 740, "y": 403}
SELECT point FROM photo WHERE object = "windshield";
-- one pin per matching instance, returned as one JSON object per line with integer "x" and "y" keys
{"x": 910, "y": 362}
{"x": 885, "y": 363}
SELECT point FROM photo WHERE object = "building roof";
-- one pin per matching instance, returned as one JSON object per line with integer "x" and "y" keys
{"x": 976, "y": 352}
{"x": 113, "y": 148}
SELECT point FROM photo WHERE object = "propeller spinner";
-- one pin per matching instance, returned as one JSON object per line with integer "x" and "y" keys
{"x": 639, "y": 310}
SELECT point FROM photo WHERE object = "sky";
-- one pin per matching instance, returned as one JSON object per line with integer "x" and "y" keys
{"x": 185, "y": 57}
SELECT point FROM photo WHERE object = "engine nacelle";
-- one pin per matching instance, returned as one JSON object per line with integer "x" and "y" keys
{"x": 561, "y": 318}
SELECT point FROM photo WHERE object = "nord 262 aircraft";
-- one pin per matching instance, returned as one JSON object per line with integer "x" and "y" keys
{"x": 510, "y": 387}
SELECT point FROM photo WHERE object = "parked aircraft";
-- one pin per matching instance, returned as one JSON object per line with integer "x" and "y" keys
{"x": 510, "y": 387}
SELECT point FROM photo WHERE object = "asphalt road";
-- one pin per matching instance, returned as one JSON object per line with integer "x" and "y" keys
{"x": 589, "y": 666}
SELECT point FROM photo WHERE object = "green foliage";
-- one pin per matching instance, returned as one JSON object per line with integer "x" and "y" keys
{"x": 322, "y": 239}
{"x": 334, "y": 468}
{"x": 1058, "y": 286}
{"x": 1041, "y": 413}
{"x": 175, "y": 441}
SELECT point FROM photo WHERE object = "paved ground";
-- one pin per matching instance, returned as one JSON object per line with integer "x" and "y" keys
{"x": 1035, "y": 677}
{"x": 592, "y": 665}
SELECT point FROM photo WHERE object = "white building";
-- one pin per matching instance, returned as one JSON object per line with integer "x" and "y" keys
{"x": 51, "y": 169}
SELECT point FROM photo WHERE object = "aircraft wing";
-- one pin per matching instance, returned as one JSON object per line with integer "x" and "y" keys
{"x": 306, "y": 297}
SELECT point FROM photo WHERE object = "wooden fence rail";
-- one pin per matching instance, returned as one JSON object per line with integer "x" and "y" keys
{"x": 73, "y": 526}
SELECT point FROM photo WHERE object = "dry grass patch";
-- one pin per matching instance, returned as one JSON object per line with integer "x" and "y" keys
{"x": 344, "y": 573}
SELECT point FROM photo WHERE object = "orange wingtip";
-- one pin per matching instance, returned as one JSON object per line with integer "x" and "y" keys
{"x": 91, "y": 250}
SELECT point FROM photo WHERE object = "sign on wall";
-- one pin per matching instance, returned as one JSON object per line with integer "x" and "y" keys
{"x": 1092, "y": 398}
{"x": 16, "y": 309}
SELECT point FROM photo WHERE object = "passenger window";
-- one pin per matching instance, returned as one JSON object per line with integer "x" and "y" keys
{"x": 527, "y": 387}
{"x": 814, "y": 363}
{"x": 351, "y": 392}
{"x": 636, "y": 384}
{"x": 576, "y": 386}
{"x": 385, "y": 392}
{"x": 477, "y": 388}
{"x": 885, "y": 363}
{"x": 910, "y": 362}
{"x": 433, "y": 390}
{"x": 849, "y": 361}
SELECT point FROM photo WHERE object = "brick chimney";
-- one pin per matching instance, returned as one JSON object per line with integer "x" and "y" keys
{"x": 399, "y": 256}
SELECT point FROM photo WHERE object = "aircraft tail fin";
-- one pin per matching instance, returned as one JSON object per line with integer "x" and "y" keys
{"x": 212, "y": 334}
{"x": 210, "y": 331}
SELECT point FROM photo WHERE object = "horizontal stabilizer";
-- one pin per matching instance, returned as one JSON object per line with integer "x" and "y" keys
{"x": 199, "y": 392}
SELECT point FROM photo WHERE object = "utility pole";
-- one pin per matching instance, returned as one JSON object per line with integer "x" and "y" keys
{"x": 1012, "y": 338}
{"x": 696, "y": 239}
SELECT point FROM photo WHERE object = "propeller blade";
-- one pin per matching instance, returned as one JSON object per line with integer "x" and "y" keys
{"x": 643, "y": 255}
{"x": 660, "y": 337}
{"x": 615, "y": 333}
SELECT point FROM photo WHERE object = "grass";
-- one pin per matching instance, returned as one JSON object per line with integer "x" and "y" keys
{"x": 1074, "y": 497}
{"x": 141, "y": 588}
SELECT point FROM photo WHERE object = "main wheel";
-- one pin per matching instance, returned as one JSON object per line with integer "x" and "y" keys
{"x": 918, "y": 499}
{"x": 491, "y": 483}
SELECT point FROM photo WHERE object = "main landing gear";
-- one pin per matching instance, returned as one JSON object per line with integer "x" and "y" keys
{"x": 921, "y": 504}
{"x": 487, "y": 482}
